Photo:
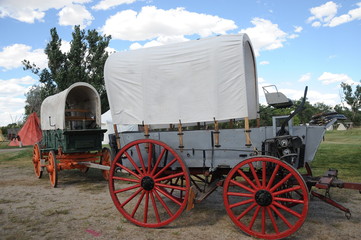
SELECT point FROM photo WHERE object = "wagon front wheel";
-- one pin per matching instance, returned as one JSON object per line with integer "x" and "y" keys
{"x": 36, "y": 161}
{"x": 52, "y": 169}
{"x": 255, "y": 194}
{"x": 141, "y": 184}
{"x": 106, "y": 161}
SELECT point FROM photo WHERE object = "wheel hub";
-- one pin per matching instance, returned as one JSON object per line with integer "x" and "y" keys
{"x": 147, "y": 183}
{"x": 263, "y": 198}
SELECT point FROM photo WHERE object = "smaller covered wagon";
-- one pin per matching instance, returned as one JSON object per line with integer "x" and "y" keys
{"x": 72, "y": 138}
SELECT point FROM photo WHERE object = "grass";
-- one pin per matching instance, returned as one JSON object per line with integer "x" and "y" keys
{"x": 341, "y": 150}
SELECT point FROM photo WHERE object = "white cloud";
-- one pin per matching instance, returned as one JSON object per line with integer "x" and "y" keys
{"x": 11, "y": 56}
{"x": 305, "y": 77}
{"x": 330, "y": 99}
{"x": 12, "y": 100}
{"x": 65, "y": 46}
{"x": 328, "y": 78}
{"x": 75, "y": 15}
{"x": 11, "y": 110}
{"x": 264, "y": 63}
{"x": 107, "y": 4}
{"x": 162, "y": 40}
{"x": 15, "y": 87}
{"x": 298, "y": 29}
{"x": 30, "y": 11}
{"x": 316, "y": 24}
{"x": 151, "y": 23}
{"x": 354, "y": 14}
{"x": 265, "y": 35}
{"x": 312, "y": 96}
{"x": 325, "y": 15}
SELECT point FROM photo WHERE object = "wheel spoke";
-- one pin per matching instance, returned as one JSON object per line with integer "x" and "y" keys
{"x": 131, "y": 197}
{"x": 155, "y": 207}
{"x": 288, "y": 210}
{"x": 150, "y": 156}
{"x": 254, "y": 174}
{"x": 138, "y": 203}
{"x": 145, "y": 219}
{"x": 287, "y": 190}
{"x": 168, "y": 196}
{"x": 171, "y": 186}
{"x": 239, "y": 194}
{"x": 281, "y": 182}
{"x": 165, "y": 168}
{"x": 163, "y": 203}
{"x": 247, "y": 179}
{"x": 177, "y": 175}
{"x": 127, "y": 189}
{"x": 246, "y": 211}
{"x": 264, "y": 178}
{"x": 241, "y": 203}
{"x": 126, "y": 179}
{"x": 127, "y": 169}
{"x": 254, "y": 217}
{"x": 140, "y": 157}
{"x": 281, "y": 216}
{"x": 263, "y": 220}
{"x": 275, "y": 171}
{"x": 158, "y": 161}
{"x": 270, "y": 214}
{"x": 289, "y": 200}
{"x": 133, "y": 163}
{"x": 242, "y": 186}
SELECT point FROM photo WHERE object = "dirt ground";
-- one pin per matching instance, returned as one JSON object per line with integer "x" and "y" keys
{"x": 81, "y": 208}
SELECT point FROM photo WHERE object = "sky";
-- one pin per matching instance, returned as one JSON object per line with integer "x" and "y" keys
{"x": 298, "y": 43}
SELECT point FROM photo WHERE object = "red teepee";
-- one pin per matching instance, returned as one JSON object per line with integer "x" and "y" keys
{"x": 30, "y": 133}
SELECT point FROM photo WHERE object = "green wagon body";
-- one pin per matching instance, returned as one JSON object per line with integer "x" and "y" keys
{"x": 72, "y": 137}
{"x": 73, "y": 141}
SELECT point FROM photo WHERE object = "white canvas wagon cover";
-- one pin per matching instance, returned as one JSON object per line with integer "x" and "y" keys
{"x": 194, "y": 81}
{"x": 79, "y": 96}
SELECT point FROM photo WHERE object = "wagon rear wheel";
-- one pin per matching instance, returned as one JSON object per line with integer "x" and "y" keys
{"x": 52, "y": 169}
{"x": 144, "y": 183}
{"x": 106, "y": 161}
{"x": 36, "y": 161}
{"x": 254, "y": 197}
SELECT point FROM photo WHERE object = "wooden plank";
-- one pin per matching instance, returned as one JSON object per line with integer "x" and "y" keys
{"x": 77, "y": 110}
{"x": 77, "y": 118}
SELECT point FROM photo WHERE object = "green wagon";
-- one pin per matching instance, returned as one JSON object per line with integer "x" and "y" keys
{"x": 72, "y": 137}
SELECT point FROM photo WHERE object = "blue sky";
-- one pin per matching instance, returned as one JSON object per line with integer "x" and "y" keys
{"x": 298, "y": 43}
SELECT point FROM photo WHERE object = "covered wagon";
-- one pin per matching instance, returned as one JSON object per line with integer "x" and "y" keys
{"x": 193, "y": 103}
{"x": 72, "y": 138}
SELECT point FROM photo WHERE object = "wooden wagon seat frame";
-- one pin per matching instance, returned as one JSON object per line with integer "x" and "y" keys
{"x": 77, "y": 103}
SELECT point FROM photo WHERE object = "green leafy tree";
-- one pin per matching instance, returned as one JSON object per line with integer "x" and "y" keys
{"x": 83, "y": 63}
{"x": 352, "y": 98}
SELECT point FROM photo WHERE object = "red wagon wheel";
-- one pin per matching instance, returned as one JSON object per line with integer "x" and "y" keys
{"x": 254, "y": 197}
{"x": 52, "y": 169}
{"x": 142, "y": 183}
{"x": 106, "y": 161}
{"x": 36, "y": 161}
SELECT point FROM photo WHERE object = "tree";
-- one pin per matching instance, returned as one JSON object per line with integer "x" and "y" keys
{"x": 83, "y": 63}
{"x": 353, "y": 99}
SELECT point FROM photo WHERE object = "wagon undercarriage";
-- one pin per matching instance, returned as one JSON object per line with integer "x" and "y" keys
{"x": 151, "y": 185}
